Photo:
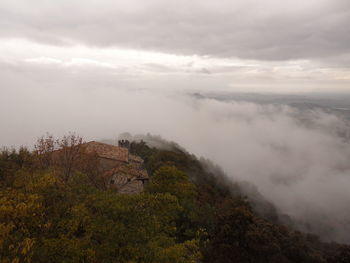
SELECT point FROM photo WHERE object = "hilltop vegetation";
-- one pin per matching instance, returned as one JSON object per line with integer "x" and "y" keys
{"x": 188, "y": 213}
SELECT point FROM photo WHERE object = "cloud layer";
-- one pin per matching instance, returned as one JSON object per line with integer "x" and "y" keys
{"x": 242, "y": 44}
{"x": 249, "y": 29}
{"x": 167, "y": 71}
{"x": 296, "y": 158}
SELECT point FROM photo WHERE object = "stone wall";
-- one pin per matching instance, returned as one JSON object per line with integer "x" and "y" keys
{"x": 108, "y": 164}
{"x": 126, "y": 184}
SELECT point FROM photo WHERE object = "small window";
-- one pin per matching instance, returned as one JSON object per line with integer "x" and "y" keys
{"x": 129, "y": 180}
{"x": 112, "y": 181}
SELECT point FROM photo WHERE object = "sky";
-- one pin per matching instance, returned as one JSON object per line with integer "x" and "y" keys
{"x": 245, "y": 45}
{"x": 100, "y": 68}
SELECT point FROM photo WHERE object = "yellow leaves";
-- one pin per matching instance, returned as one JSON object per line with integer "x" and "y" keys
{"x": 166, "y": 250}
{"x": 20, "y": 213}
{"x": 47, "y": 225}
{"x": 17, "y": 205}
{"x": 80, "y": 216}
{"x": 27, "y": 245}
{"x": 45, "y": 219}
{"x": 21, "y": 251}
{"x": 169, "y": 179}
{"x": 5, "y": 230}
{"x": 192, "y": 250}
{"x": 41, "y": 182}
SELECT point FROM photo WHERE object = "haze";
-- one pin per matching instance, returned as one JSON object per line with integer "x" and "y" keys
{"x": 100, "y": 68}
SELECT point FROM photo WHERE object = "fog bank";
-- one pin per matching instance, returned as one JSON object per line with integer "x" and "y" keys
{"x": 296, "y": 158}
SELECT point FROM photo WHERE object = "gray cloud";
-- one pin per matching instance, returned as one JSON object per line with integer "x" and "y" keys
{"x": 268, "y": 30}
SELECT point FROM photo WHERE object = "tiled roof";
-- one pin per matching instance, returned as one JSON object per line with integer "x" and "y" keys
{"x": 107, "y": 151}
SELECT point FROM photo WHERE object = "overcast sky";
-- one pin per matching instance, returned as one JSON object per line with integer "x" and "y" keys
{"x": 250, "y": 45}
{"x": 69, "y": 53}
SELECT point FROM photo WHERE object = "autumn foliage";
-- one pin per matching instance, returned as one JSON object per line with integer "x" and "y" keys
{"x": 54, "y": 208}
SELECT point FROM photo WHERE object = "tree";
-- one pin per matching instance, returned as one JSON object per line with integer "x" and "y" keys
{"x": 169, "y": 179}
{"x": 69, "y": 154}
{"x": 66, "y": 156}
{"x": 44, "y": 148}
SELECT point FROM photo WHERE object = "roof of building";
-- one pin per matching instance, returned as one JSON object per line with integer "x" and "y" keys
{"x": 107, "y": 151}
{"x": 135, "y": 158}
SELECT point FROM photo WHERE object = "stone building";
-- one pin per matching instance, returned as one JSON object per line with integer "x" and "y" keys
{"x": 122, "y": 171}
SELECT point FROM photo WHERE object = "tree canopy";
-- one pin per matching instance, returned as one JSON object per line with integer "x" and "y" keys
{"x": 189, "y": 212}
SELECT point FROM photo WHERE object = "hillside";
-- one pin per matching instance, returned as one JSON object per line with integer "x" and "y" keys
{"x": 188, "y": 212}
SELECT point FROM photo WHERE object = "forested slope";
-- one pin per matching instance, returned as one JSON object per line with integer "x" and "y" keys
{"x": 188, "y": 213}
